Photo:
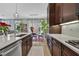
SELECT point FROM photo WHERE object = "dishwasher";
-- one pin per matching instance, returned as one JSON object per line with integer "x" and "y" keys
{"x": 12, "y": 50}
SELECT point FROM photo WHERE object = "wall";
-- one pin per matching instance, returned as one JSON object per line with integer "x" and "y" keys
{"x": 25, "y": 10}
{"x": 72, "y": 30}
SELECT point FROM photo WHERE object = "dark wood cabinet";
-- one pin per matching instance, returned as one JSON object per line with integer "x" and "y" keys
{"x": 24, "y": 48}
{"x": 68, "y": 12}
{"x": 53, "y": 14}
{"x": 29, "y": 42}
{"x": 59, "y": 49}
{"x": 56, "y": 48}
{"x": 77, "y": 10}
{"x": 26, "y": 45}
{"x": 62, "y": 12}
{"x": 68, "y": 52}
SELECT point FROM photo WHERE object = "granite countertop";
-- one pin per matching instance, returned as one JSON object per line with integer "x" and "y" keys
{"x": 11, "y": 38}
{"x": 62, "y": 38}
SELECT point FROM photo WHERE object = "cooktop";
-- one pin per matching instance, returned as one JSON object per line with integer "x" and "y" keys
{"x": 74, "y": 43}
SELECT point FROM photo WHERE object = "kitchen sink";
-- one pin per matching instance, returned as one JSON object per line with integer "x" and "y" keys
{"x": 20, "y": 35}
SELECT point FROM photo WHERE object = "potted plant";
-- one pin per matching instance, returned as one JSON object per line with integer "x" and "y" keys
{"x": 4, "y": 28}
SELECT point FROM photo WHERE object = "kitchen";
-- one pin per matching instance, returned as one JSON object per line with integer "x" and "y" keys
{"x": 63, "y": 22}
{"x": 58, "y": 37}
{"x": 16, "y": 20}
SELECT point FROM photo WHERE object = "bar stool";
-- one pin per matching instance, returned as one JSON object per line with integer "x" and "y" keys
{"x": 34, "y": 37}
{"x": 40, "y": 38}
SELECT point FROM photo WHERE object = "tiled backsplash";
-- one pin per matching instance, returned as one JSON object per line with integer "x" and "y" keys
{"x": 71, "y": 29}
{"x": 55, "y": 29}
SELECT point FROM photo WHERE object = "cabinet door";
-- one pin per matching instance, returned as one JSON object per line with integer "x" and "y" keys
{"x": 57, "y": 13}
{"x": 77, "y": 10}
{"x": 56, "y": 48}
{"x": 23, "y": 48}
{"x": 51, "y": 13}
{"x": 30, "y": 41}
{"x": 68, "y": 12}
{"x": 26, "y": 45}
{"x": 54, "y": 14}
{"x": 68, "y": 52}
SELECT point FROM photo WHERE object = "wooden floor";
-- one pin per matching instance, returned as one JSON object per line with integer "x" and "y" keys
{"x": 39, "y": 49}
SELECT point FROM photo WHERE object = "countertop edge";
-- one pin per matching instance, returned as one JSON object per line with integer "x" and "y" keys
{"x": 14, "y": 41}
{"x": 66, "y": 44}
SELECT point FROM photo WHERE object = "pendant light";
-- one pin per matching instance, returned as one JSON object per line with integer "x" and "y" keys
{"x": 16, "y": 12}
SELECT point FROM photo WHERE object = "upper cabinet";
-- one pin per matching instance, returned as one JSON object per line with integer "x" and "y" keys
{"x": 68, "y": 12}
{"x": 62, "y": 12}
{"x": 53, "y": 14}
{"x": 77, "y": 10}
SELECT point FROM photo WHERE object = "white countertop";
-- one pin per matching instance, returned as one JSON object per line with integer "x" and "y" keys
{"x": 62, "y": 38}
{"x": 11, "y": 38}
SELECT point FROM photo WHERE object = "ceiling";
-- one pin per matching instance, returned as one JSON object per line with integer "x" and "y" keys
{"x": 25, "y": 10}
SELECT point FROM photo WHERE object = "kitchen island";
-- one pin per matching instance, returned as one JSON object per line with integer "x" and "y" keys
{"x": 11, "y": 39}
{"x": 58, "y": 46}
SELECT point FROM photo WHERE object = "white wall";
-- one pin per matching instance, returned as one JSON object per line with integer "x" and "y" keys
{"x": 7, "y": 10}
{"x": 72, "y": 30}
{"x": 25, "y": 10}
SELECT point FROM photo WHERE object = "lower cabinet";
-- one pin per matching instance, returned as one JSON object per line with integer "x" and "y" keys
{"x": 68, "y": 52}
{"x": 59, "y": 49}
{"x": 26, "y": 45}
{"x": 49, "y": 43}
{"x": 56, "y": 48}
{"x": 24, "y": 48}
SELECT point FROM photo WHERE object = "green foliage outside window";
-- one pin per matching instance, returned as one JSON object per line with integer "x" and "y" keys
{"x": 43, "y": 26}
{"x": 20, "y": 26}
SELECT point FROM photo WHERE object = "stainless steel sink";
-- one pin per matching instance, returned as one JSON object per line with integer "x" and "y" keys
{"x": 20, "y": 35}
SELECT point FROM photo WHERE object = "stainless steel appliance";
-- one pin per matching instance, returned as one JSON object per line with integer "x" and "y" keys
{"x": 74, "y": 43}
